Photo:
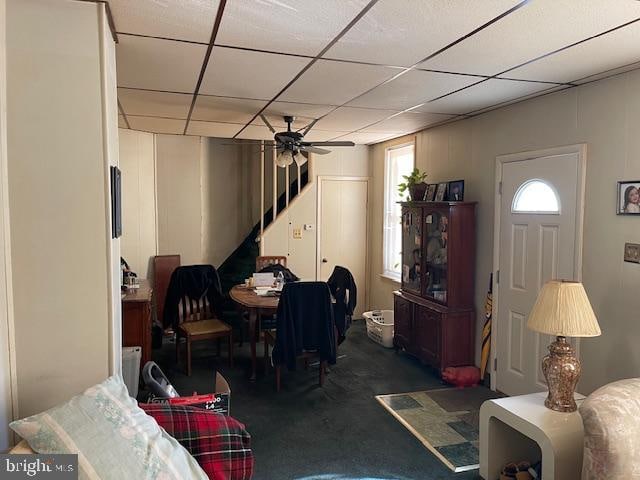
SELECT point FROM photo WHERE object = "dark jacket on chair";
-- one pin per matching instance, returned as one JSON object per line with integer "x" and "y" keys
{"x": 343, "y": 288}
{"x": 304, "y": 323}
{"x": 193, "y": 282}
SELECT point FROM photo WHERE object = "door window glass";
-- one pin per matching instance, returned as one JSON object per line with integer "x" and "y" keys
{"x": 535, "y": 196}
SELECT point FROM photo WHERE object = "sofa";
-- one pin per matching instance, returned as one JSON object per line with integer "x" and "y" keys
{"x": 611, "y": 418}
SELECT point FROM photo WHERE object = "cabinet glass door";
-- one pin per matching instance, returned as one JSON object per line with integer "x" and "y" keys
{"x": 411, "y": 250}
{"x": 436, "y": 234}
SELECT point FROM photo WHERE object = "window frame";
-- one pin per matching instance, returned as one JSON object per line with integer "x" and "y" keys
{"x": 388, "y": 203}
{"x": 523, "y": 187}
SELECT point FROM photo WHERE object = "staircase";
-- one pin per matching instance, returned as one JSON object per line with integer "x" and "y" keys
{"x": 242, "y": 262}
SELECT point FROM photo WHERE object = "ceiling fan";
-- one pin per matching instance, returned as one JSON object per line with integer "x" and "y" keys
{"x": 291, "y": 144}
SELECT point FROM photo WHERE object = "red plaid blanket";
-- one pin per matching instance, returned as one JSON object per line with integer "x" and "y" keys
{"x": 219, "y": 443}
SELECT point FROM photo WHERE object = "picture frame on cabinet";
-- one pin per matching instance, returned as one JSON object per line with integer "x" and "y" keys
{"x": 441, "y": 192}
{"x": 455, "y": 191}
{"x": 430, "y": 194}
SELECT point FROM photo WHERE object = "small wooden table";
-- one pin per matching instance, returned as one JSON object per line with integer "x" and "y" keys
{"x": 256, "y": 306}
{"x": 136, "y": 319}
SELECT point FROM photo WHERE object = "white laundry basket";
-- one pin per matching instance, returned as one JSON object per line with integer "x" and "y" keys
{"x": 380, "y": 326}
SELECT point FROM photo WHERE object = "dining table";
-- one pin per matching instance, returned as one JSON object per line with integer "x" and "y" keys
{"x": 256, "y": 306}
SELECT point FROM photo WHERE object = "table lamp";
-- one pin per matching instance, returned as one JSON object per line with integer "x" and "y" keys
{"x": 562, "y": 309}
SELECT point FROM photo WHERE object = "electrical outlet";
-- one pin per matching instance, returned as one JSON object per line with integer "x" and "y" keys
{"x": 297, "y": 233}
{"x": 632, "y": 252}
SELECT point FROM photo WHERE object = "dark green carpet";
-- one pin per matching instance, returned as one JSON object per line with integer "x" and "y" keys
{"x": 336, "y": 432}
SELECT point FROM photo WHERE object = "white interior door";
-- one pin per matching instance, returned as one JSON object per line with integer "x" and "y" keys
{"x": 539, "y": 240}
{"x": 342, "y": 232}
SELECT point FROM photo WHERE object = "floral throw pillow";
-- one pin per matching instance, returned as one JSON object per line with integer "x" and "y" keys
{"x": 113, "y": 437}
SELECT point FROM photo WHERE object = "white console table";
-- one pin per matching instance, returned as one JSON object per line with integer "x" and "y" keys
{"x": 522, "y": 428}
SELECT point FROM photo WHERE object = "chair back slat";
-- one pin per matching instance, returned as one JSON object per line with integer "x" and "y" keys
{"x": 193, "y": 309}
{"x": 265, "y": 261}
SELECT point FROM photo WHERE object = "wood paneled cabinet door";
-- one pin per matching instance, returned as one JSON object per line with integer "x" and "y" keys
{"x": 434, "y": 309}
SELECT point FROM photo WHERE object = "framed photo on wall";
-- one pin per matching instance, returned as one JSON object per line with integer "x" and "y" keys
{"x": 431, "y": 192}
{"x": 629, "y": 197}
{"x": 456, "y": 191}
{"x": 441, "y": 191}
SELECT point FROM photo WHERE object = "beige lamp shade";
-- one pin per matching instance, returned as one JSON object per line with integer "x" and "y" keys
{"x": 563, "y": 309}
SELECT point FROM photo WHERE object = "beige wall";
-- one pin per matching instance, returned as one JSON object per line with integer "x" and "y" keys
{"x": 605, "y": 115}
{"x": 208, "y": 197}
{"x": 179, "y": 206}
{"x": 58, "y": 199}
{"x": 278, "y": 238}
{"x": 139, "y": 231}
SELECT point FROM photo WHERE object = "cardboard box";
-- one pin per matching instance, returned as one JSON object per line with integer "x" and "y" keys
{"x": 219, "y": 401}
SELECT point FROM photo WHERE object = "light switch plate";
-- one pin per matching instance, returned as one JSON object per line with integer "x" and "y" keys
{"x": 632, "y": 252}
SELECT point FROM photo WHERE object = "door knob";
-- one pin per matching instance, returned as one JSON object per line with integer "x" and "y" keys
{"x": 324, "y": 260}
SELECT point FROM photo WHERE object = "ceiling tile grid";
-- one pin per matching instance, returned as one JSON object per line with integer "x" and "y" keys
{"x": 154, "y": 104}
{"x": 190, "y": 20}
{"x": 538, "y": 28}
{"x": 242, "y": 73}
{"x": 413, "y": 88}
{"x": 301, "y": 27}
{"x": 157, "y": 64}
{"x": 403, "y": 33}
{"x": 263, "y": 61}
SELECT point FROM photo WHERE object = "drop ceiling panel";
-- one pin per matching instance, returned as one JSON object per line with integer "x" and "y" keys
{"x": 322, "y": 135}
{"x": 213, "y": 129}
{"x": 538, "y": 28}
{"x": 158, "y": 64}
{"x": 223, "y": 109}
{"x": 157, "y": 125}
{"x": 335, "y": 83}
{"x": 256, "y": 132}
{"x": 280, "y": 109}
{"x": 286, "y": 26}
{"x": 350, "y": 118}
{"x": 607, "y": 52}
{"x": 483, "y": 95}
{"x": 407, "y": 122}
{"x": 411, "y": 89}
{"x": 403, "y": 33}
{"x": 241, "y": 73}
{"x": 154, "y": 104}
{"x": 277, "y": 122}
{"x": 190, "y": 20}
{"x": 121, "y": 122}
{"x": 367, "y": 138}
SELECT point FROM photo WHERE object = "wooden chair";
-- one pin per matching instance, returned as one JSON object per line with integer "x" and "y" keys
{"x": 198, "y": 322}
{"x": 270, "y": 339}
{"x": 163, "y": 267}
{"x": 265, "y": 261}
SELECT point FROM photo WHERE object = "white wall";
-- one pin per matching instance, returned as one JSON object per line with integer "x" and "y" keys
{"x": 278, "y": 237}
{"x": 57, "y": 166}
{"x": 605, "y": 115}
{"x": 139, "y": 230}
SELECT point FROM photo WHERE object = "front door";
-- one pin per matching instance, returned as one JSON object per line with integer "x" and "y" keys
{"x": 539, "y": 238}
{"x": 343, "y": 231}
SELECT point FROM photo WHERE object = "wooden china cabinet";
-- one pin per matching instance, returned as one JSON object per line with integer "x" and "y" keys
{"x": 434, "y": 311}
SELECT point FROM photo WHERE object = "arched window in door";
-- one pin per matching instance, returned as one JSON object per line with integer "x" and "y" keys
{"x": 536, "y": 196}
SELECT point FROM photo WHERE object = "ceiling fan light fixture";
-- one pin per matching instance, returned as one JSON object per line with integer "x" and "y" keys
{"x": 299, "y": 158}
{"x": 284, "y": 158}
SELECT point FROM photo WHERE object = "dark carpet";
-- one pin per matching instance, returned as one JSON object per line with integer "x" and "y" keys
{"x": 312, "y": 433}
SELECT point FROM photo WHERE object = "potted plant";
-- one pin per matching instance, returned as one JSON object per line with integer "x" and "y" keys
{"x": 415, "y": 184}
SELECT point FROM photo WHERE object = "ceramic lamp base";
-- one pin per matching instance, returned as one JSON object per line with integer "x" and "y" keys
{"x": 561, "y": 369}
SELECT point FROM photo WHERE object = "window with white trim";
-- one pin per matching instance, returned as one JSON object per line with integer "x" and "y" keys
{"x": 399, "y": 161}
{"x": 535, "y": 196}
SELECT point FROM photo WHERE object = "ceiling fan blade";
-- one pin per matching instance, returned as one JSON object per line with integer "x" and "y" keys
{"x": 309, "y": 127}
{"x": 312, "y": 149}
{"x": 331, "y": 144}
{"x": 266, "y": 122}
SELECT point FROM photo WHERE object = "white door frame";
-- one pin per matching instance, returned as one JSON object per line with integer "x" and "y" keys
{"x": 581, "y": 150}
{"x": 319, "y": 180}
